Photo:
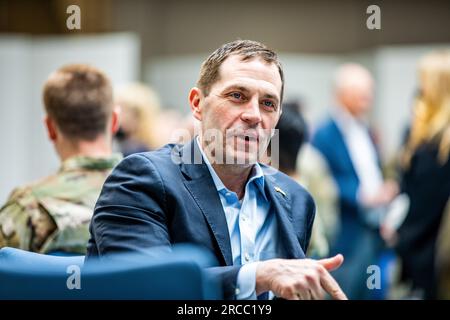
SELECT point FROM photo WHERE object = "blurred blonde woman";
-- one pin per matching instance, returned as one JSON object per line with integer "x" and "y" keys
{"x": 426, "y": 175}
{"x": 140, "y": 109}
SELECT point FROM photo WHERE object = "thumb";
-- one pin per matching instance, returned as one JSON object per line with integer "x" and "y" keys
{"x": 332, "y": 263}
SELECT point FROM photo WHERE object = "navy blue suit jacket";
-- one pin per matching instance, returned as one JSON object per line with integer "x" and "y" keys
{"x": 329, "y": 141}
{"x": 162, "y": 198}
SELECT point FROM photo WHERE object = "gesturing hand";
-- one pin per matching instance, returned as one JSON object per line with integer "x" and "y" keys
{"x": 300, "y": 279}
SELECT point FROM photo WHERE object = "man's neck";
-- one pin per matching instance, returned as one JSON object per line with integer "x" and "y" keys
{"x": 97, "y": 148}
{"x": 234, "y": 177}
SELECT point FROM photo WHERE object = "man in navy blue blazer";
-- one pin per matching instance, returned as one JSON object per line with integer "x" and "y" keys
{"x": 214, "y": 192}
{"x": 351, "y": 154}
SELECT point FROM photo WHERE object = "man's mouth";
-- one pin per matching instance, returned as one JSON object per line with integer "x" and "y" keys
{"x": 248, "y": 136}
{"x": 247, "y": 139}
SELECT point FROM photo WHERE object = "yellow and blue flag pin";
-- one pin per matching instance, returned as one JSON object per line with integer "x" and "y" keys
{"x": 278, "y": 189}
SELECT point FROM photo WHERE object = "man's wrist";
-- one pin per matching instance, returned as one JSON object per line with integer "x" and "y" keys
{"x": 264, "y": 275}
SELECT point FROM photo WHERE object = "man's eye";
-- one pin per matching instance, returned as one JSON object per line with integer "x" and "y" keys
{"x": 236, "y": 95}
{"x": 268, "y": 103}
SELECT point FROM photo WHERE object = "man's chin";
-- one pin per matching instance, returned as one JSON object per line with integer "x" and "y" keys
{"x": 242, "y": 158}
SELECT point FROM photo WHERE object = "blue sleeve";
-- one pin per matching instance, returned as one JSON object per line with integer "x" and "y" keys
{"x": 131, "y": 216}
{"x": 130, "y": 207}
{"x": 328, "y": 146}
{"x": 246, "y": 282}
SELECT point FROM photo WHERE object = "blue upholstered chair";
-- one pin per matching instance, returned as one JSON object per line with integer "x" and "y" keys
{"x": 156, "y": 274}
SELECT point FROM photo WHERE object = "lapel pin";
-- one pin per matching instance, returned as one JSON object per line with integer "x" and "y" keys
{"x": 278, "y": 189}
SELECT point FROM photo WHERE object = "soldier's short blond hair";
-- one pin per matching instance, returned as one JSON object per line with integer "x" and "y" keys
{"x": 79, "y": 98}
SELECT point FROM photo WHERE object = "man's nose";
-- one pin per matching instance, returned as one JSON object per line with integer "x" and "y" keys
{"x": 252, "y": 114}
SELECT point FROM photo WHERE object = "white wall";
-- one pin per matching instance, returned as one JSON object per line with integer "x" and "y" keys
{"x": 15, "y": 97}
{"x": 307, "y": 79}
{"x": 173, "y": 77}
{"x": 25, "y": 63}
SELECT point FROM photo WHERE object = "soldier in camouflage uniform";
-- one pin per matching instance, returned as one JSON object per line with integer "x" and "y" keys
{"x": 53, "y": 214}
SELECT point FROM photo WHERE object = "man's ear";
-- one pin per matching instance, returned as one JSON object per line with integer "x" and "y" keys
{"x": 51, "y": 128}
{"x": 115, "y": 119}
{"x": 195, "y": 96}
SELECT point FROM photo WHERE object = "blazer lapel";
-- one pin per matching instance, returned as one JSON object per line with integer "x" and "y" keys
{"x": 202, "y": 189}
{"x": 279, "y": 199}
{"x": 342, "y": 150}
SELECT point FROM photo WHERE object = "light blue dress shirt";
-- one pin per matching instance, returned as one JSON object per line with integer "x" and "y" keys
{"x": 252, "y": 226}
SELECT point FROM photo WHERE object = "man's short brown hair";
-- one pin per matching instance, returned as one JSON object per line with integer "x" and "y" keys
{"x": 247, "y": 49}
{"x": 79, "y": 98}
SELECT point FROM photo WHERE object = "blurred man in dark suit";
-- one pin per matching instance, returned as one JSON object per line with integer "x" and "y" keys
{"x": 350, "y": 151}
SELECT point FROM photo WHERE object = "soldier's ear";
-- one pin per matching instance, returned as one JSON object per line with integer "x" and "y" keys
{"x": 51, "y": 128}
{"x": 115, "y": 119}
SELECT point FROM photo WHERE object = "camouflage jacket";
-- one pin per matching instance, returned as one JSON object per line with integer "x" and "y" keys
{"x": 54, "y": 213}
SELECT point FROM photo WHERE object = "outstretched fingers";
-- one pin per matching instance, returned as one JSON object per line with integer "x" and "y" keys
{"x": 331, "y": 286}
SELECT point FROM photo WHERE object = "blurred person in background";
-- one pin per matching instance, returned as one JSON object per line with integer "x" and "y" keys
{"x": 425, "y": 177}
{"x": 443, "y": 256}
{"x": 316, "y": 177}
{"x": 171, "y": 124}
{"x": 349, "y": 149}
{"x": 299, "y": 160}
{"x": 139, "y": 118}
{"x": 53, "y": 214}
{"x": 186, "y": 128}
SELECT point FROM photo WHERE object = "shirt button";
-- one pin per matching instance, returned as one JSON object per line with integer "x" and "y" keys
{"x": 247, "y": 257}
{"x": 244, "y": 219}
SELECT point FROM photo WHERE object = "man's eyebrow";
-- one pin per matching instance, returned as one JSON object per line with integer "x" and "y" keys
{"x": 246, "y": 90}
{"x": 271, "y": 96}
{"x": 236, "y": 87}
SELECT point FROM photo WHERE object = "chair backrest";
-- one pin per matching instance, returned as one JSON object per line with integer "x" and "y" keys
{"x": 157, "y": 274}
{"x": 28, "y": 275}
